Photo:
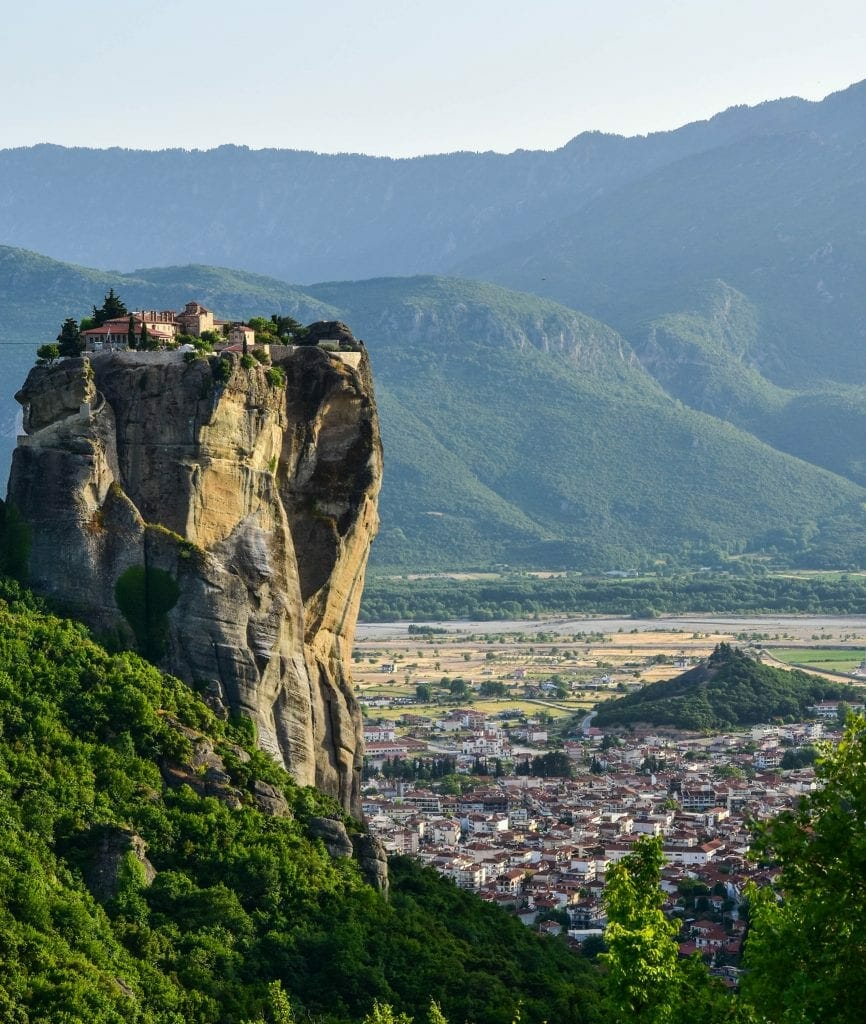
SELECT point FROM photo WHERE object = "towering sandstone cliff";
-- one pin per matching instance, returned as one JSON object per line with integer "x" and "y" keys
{"x": 222, "y": 517}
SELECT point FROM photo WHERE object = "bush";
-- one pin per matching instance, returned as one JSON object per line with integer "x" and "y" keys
{"x": 145, "y": 596}
{"x": 276, "y": 377}
{"x": 47, "y": 354}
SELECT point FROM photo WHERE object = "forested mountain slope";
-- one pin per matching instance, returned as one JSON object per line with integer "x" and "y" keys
{"x": 515, "y": 430}
{"x": 779, "y": 216}
{"x": 306, "y": 216}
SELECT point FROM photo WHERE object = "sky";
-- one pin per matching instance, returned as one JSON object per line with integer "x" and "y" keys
{"x": 406, "y": 78}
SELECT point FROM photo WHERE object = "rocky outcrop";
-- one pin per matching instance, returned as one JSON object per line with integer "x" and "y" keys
{"x": 116, "y": 848}
{"x": 333, "y": 834}
{"x": 219, "y": 517}
{"x": 373, "y": 861}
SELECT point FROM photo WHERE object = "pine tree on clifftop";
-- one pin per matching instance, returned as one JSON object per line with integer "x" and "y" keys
{"x": 112, "y": 309}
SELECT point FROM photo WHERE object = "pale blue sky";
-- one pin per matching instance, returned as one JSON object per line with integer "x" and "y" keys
{"x": 406, "y": 78}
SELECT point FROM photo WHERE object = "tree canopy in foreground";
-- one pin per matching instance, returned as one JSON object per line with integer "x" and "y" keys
{"x": 806, "y": 950}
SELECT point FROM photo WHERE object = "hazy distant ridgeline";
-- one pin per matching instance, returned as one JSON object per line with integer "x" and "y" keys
{"x": 780, "y": 217}
{"x": 304, "y": 217}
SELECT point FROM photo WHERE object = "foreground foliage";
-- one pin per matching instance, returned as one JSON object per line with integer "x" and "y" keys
{"x": 648, "y": 982}
{"x": 806, "y": 953}
{"x": 240, "y": 900}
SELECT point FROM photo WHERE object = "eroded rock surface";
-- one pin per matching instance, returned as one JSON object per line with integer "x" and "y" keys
{"x": 333, "y": 834}
{"x": 103, "y": 874}
{"x": 373, "y": 861}
{"x": 223, "y": 524}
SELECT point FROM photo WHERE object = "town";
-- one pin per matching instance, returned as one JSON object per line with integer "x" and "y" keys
{"x": 526, "y": 803}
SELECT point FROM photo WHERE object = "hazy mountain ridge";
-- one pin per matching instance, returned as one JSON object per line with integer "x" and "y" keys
{"x": 780, "y": 217}
{"x": 303, "y": 216}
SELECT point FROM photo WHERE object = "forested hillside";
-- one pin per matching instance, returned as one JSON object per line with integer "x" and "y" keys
{"x": 514, "y": 595}
{"x": 519, "y": 431}
{"x": 155, "y": 867}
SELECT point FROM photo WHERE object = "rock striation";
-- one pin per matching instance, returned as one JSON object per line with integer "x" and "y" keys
{"x": 220, "y": 517}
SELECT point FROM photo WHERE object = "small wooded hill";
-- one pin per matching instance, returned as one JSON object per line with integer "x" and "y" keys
{"x": 730, "y": 688}
{"x": 98, "y": 749}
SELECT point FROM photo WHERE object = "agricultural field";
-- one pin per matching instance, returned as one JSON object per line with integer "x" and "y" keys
{"x": 844, "y": 660}
{"x": 553, "y": 677}
{"x": 562, "y": 669}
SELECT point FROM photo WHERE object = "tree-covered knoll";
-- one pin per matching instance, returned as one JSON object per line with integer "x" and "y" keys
{"x": 729, "y": 689}
{"x": 97, "y": 749}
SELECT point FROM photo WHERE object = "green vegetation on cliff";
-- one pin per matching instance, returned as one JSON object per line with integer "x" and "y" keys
{"x": 99, "y": 752}
{"x": 729, "y": 689}
{"x": 145, "y": 595}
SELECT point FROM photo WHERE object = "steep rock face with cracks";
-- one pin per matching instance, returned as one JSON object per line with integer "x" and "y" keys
{"x": 218, "y": 517}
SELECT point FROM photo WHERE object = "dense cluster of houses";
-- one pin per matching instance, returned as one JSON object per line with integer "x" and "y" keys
{"x": 541, "y": 847}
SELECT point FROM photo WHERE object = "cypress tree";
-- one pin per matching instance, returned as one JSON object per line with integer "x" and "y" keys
{"x": 69, "y": 338}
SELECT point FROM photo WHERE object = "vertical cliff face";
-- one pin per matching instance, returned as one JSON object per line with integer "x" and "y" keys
{"x": 220, "y": 517}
